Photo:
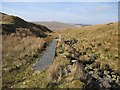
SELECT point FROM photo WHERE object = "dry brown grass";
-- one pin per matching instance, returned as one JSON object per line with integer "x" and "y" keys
{"x": 19, "y": 54}
{"x": 15, "y": 48}
{"x": 55, "y": 70}
{"x": 101, "y": 39}
{"x": 77, "y": 71}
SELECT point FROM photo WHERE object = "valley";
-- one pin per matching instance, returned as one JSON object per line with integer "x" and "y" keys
{"x": 85, "y": 57}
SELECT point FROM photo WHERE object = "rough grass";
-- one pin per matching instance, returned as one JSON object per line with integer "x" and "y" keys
{"x": 20, "y": 51}
{"x": 17, "y": 48}
{"x": 99, "y": 39}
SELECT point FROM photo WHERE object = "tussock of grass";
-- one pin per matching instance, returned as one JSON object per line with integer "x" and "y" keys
{"x": 102, "y": 39}
{"x": 17, "y": 48}
{"x": 20, "y": 51}
{"x": 98, "y": 42}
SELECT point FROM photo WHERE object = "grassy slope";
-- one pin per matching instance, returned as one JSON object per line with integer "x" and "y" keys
{"x": 23, "y": 43}
{"x": 103, "y": 38}
{"x": 12, "y": 24}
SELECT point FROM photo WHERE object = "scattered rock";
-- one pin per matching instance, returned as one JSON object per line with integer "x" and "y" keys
{"x": 91, "y": 72}
{"x": 106, "y": 84}
{"x": 95, "y": 75}
{"x": 73, "y": 61}
{"x": 105, "y": 72}
{"x": 108, "y": 76}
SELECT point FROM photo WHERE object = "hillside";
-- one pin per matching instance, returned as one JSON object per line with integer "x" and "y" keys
{"x": 23, "y": 43}
{"x": 13, "y": 24}
{"x": 86, "y": 57}
{"x": 54, "y": 25}
{"x": 93, "y": 47}
{"x": 102, "y": 38}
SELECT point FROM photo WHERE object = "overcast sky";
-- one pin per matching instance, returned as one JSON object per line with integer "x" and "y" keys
{"x": 68, "y": 12}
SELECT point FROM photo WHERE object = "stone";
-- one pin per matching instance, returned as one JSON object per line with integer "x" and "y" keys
{"x": 101, "y": 85}
{"x": 108, "y": 72}
{"x": 90, "y": 72}
{"x": 114, "y": 76}
{"x": 106, "y": 84}
{"x": 74, "y": 61}
{"x": 24, "y": 83}
{"x": 95, "y": 76}
{"x": 105, "y": 72}
{"x": 108, "y": 79}
{"x": 108, "y": 76}
{"x": 117, "y": 81}
{"x": 85, "y": 68}
{"x": 69, "y": 67}
{"x": 112, "y": 73}
{"x": 95, "y": 69}
{"x": 89, "y": 67}
{"x": 114, "y": 79}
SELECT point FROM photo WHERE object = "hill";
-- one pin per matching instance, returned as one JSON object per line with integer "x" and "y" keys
{"x": 101, "y": 38}
{"x": 13, "y": 24}
{"x": 91, "y": 45}
{"x": 54, "y": 25}
{"x": 23, "y": 43}
{"x": 96, "y": 48}
{"x": 86, "y": 57}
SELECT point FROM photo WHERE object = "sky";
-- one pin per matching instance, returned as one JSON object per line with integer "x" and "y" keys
{"x": 67, "y": 12}
{"x": 60, "y": 0}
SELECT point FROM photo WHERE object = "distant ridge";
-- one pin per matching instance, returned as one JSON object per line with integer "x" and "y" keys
{"x": 81, "y": 25}
{"x": 54, "y": 25}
